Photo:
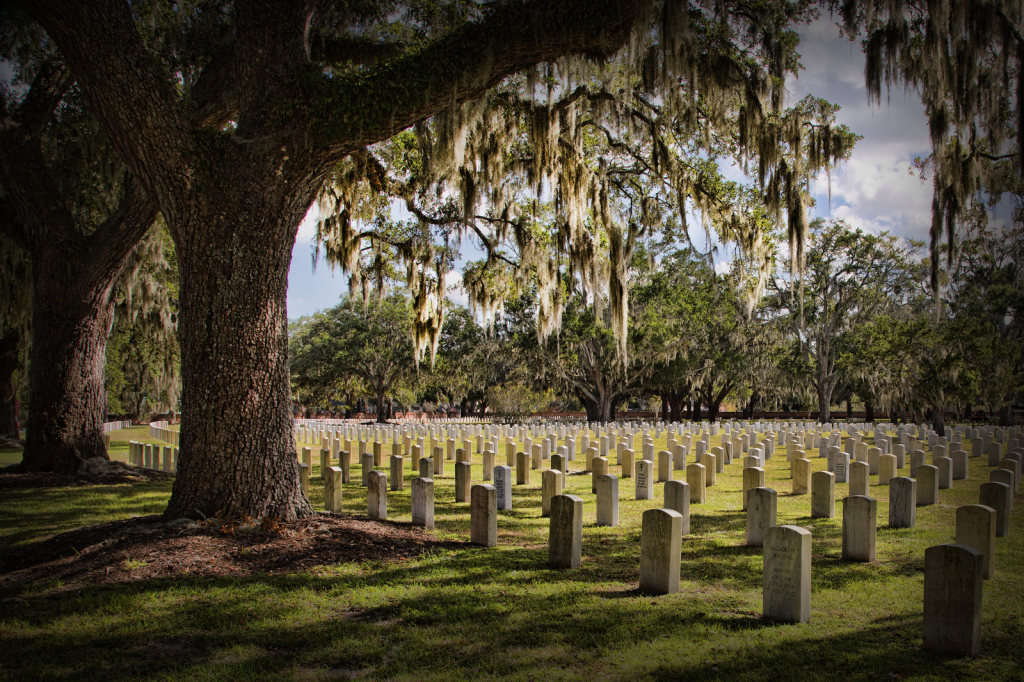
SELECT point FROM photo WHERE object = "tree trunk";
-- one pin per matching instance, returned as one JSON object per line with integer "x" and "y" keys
{"x": 938, "y": 421}
{"x": 8, "y": 391}
{"x": 606, "y": 407}
{"x": 463, "y": 407}
{"x": 69, "y": 342}
{"x": 1006, "y": 414}
{"x": 237, "y": 452}
{"x": 75, "y": 264}
{"x": 677, "y": 407}
{"x": 712, "y": 407}
{"x": 664, "y": 407}
{"x": 869, "y": 411}
{"x": 382, "y": 415}
{"x": 824, "y": 404}
{"x": 849, "y": 409}
{"x": 696, "y": 409}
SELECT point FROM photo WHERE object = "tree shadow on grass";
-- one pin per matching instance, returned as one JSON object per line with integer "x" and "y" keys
{"x": 467, "y": 633}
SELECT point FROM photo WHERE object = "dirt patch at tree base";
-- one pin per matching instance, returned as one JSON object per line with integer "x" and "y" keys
{"x": 148, "y": 548}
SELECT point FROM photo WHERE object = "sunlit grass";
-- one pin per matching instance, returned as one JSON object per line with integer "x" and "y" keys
{"x": 501, "y": 613}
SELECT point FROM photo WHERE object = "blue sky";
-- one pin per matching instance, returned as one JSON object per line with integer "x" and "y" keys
{"x": 874, "y": 190}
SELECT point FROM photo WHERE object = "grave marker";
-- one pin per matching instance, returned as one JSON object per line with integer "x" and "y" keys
{"x": 607, "y": 500}
{"x": 753, "y": 477}
{"x": 762, "y": 505}
{"x": 801, "y": 476}
{"x": 787, "y": 574}
{"x": 927, "y": 485}
{"x": 462, "y": 481}
{"x": 997, "y": 496}
{"x": 660, "y": 541}
{"x": 664, "y": 466}
{"x": 376, "y": 492}
{"x": 823, "y": 494}
{"x": 423, "y": 501}
{"x": 600, "y": 468}
{"x": 550, "y": 486}
{"x": 902, "y": 502}
{"x": 397, "y": 478}
{"x": 503, "y": 486}
{"x": 483, "y": 514}
{"x": 332, "y": 489}
{"x": 565, "y": 533}
{"x": 644, "y": 480}
{"x": 976, "y": 527}
{"x": 522, "y": 468}
{"x": 695, "y": 479}
{"x": 886, "y": 469}
{"x": 952, "y": 599}
{"x": 677, "y": 498}
{"x": 859, "y": 478}
{"x": 860, "y": 524}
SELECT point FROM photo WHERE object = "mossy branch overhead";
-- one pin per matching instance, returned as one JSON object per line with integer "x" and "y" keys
{"x": 615, "y": 149}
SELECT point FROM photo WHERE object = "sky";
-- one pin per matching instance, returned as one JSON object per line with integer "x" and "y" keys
{"x": 874, "y": 190}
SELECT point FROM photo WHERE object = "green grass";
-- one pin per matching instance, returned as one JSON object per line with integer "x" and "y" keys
{"x": 118, "y": 445}
{"x": 500, "y": 613}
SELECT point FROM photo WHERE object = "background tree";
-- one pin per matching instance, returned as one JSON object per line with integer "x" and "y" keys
{"x": 15, "y": 324}
{"x": 986, "y": 284}
{"x": 79, "y": 217}
{"x": 143, "y": 359}
{"x": 370, "y": 343}
{"x": 849, "y": 278}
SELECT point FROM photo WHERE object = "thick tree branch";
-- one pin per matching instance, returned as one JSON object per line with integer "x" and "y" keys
{"x": 353, "y": 111}
{"x": 11, "y": 227}
{"x": 112, "y": 242}
{"x": 137, "y": 106}
{"x": 46, "y": 92}
{"x": 214, "y": 95}
{"x": 359, "y": 50}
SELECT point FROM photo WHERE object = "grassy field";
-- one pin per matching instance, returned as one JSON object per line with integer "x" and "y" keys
{"x": 500, "y": 613}
{"x": 118, "y": 445}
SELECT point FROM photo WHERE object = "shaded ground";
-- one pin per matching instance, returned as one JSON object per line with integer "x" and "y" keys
{"x": 20, "y": 481}
{"x": 146, "y": 548}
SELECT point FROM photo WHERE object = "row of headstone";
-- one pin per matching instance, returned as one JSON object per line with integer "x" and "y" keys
{"x": 156, "y": 457}
{"x": 159, "y": 431}
{"x": 786, "y": 582}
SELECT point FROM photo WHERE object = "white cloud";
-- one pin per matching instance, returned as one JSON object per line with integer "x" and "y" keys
{"x": 874, "y": 189}
{"x": 456, "y": 294}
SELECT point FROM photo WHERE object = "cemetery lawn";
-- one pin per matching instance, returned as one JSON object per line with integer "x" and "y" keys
{"x": 452, "y": 611}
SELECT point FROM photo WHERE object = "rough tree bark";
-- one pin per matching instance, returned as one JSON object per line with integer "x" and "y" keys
{"x": 8, "y": 366}
{"x": 824, "y": 402}
{"x": 73, "y": 279}
{"x": 1006, "y": 414}
{"x": 233, "y": 201}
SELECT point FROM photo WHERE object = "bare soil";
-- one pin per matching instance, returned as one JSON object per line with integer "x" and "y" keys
{"x": 149, "y": 548}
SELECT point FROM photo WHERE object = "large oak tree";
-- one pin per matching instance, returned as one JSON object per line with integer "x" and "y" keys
{"x": 234, "y": 160}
